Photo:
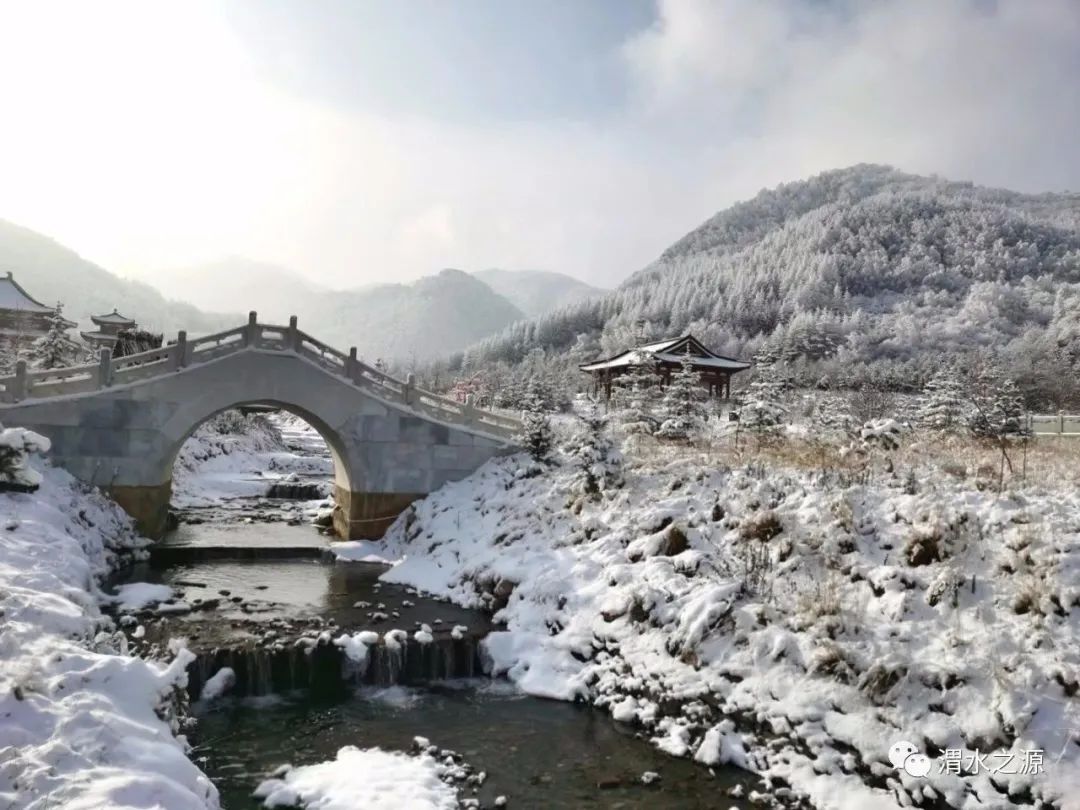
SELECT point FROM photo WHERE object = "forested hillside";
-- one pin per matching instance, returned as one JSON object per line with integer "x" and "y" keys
{"x": 856, "y": 275}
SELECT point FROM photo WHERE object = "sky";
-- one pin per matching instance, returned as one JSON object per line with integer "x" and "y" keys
{"x": 362, "y": 141}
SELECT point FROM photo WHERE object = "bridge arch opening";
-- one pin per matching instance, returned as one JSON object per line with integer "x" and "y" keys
{"x": 246, "y": 429}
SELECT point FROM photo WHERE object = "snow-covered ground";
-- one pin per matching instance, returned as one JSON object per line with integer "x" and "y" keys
{"x": 83, "y": 725}
{"x": 785, "y": 619}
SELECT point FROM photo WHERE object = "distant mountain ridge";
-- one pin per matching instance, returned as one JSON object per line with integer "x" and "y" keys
{"x": 431, "y": 317}
{"x": 536, "y": 292}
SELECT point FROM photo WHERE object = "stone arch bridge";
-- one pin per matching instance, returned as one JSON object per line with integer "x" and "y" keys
{"x": 119, "y": 423}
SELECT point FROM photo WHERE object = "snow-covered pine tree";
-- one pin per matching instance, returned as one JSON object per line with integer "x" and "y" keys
{"x": 1007, "y": 413}
{"x": 684, "y": 406}
{"x": 833, "y": 420}
{"x": 535, "y": 434}
{"x": 54, "y": 349}
{"x": 763, "y": 411}
{"x": 997, "y": 408}
{"x": 942, "y": 405}
{"x": 595, "y": 458}
{"x": 637, "y": 398}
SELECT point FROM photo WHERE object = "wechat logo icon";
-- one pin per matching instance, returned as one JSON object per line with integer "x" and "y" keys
{"x": 905, "y": 756}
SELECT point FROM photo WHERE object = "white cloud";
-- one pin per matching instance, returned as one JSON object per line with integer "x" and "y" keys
{"x": 141, "y": 135}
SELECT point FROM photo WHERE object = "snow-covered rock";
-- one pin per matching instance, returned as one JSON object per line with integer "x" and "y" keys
{"x": 794, "y": 602}
{"x": 370, "y": 778}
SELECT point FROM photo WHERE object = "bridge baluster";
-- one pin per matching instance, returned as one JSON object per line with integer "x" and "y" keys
{"x": 351, "y": 364}
{"x": 292, "y": 340}
{"x": 251, "y": 334}
{"x": 20, "y": 389}
{"x": 104, "y": 368}
{"x": 409, "y": 389}
{"x": 179, "y": 358}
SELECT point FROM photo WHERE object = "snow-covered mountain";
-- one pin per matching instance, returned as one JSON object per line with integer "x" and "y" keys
{"x": 864, "y": 265}
{"x": 429, "y": 318}
{"x": 51, "y": 272}
{"x": 537, "y": 292}
{"x": 433, "y": 316}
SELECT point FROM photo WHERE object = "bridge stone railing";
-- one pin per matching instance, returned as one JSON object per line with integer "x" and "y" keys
{"x": 187, "y": 353}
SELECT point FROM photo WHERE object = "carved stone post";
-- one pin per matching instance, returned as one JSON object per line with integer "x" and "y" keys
{"x": 104, "y": 368}
{"x": 409, "y": 391}
{"x": 292, "y": 341}
{"x": 251, "y": 333}
{"x": 180, "y": 351}
{"x": 19, "y": 391}
{"x": 350, "y": 364}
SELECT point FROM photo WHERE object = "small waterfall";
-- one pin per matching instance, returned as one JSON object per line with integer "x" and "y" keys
{"x": 297, "y": 490}
{"x": 326, "y": 670}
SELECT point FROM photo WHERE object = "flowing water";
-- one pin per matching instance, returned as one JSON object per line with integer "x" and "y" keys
{"x": 266, "y": 598}
{"x": 538, "y": 753}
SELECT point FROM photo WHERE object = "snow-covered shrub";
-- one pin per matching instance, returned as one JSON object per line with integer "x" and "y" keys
{"x": 756, "y": 559}
{"x": 596, "y": 462}
{"x": 882, "y": 433}
{"x": 925, "y": 545}
{"x": 879, "y": 681}
{"x": 830, "y": 659}
{"x": 762, "y": 527}
{"x": 16, "y": 444}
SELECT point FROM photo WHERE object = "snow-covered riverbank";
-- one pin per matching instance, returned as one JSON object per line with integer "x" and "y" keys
{"x": 82, "y": 724}
{"x": 785, "y": 620}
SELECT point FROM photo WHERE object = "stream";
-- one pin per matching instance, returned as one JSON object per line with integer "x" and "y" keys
{"x": 266, "y": 599}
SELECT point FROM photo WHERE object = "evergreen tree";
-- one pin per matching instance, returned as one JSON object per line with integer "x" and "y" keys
{"x": 54, "y": 349}
{"x": 535, "y": 434}
{"x": 1007, "y": 417}
{"x": 942, "y": 405}
{"x": 833, "y": 420}
{"x": 763, "y": 411}
{"x": 684, "y": 407}
{"x": 594, "y": 456}
{"x": 997, "y": 407}
{"x": 637, "y": 397}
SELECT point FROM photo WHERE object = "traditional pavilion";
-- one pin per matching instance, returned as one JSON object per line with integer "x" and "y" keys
{"x": 23, "y": 319}
{"x": 664, "y": 358}
{"x": 108, "y": 330}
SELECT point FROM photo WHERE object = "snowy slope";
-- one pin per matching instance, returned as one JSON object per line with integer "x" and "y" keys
{"x": 784, "y": 620}
{"x": 83, "y": 725}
